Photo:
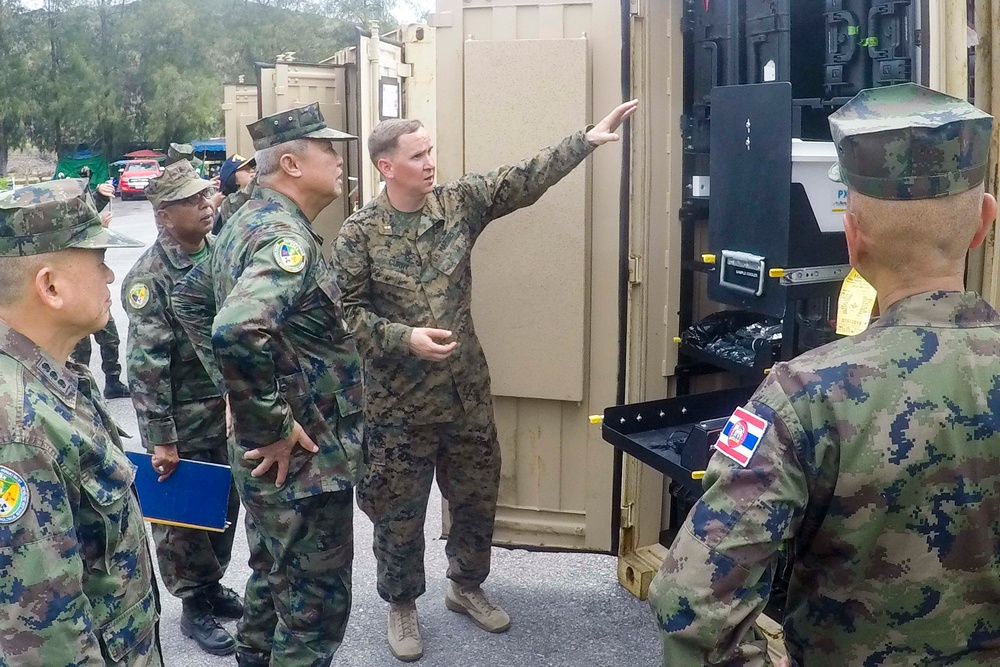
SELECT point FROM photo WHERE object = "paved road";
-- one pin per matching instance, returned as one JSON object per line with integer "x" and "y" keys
{"x": 567, "y": 609}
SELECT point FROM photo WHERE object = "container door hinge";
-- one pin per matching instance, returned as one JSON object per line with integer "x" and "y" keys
{"x": 627, "y": 516}
{"x": 634, "y": 271}
{"x": 635, "y": 7}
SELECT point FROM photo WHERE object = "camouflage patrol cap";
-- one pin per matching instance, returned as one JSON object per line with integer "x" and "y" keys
{"x": 178, "y": 152}
{"x": 910, "y": 142}
{"x": 177, "y": 181}
{"x": 54, "y": 216}
{"x": 299, "y": 123}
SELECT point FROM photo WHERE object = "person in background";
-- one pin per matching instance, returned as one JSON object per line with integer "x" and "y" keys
{"x": 181, "y": 413}
{"x": 107, "y": 337}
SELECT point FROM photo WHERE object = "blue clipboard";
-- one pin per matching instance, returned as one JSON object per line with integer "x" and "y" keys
{"x": 195, "y": 496}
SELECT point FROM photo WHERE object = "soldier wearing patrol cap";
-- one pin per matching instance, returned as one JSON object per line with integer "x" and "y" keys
{"x": 874, "y": 460}
{"x": 177, "y": 152}
{"x": 77, "y": 578}
{"x": 181, "y": 413}
{"x": 266, "y": 304}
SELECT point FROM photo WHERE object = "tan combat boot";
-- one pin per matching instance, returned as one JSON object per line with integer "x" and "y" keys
{"x": 473, "y": 603}
{"x": 404, "y": 632}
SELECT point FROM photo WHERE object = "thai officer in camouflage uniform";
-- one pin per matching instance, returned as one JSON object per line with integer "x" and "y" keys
{"x": 403, "y": 263}
{"x": 76, "y": 574}
{"x": 181, "y": 413}
{"x": 293, "y": 378}
{"x": 875, "y": 460}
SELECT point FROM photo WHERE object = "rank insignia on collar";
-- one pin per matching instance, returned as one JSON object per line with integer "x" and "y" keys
{"x": 289, "y": 255}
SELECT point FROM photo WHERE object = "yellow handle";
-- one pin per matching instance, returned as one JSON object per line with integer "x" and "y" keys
{"x": 776, "y": 273}
{"x": 677, "y": 339}
{"x": 697, "y": 474}
{"x": 708, "y": 258}
{"x": 596, "y": 419}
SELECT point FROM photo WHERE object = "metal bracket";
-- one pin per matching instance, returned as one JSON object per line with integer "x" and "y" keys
{"x": 809, "y": 275}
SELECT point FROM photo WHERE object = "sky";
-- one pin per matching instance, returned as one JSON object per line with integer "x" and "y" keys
{"x": 404, "y": 13}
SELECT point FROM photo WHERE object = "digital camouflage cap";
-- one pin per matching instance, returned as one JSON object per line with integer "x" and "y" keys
{"x": 177, "y": 181}
{"x": 53, "y": 216}
{"x": 299, "y": 123}
{"x": 910, "y": 142}
{"x": 178, "y": 152}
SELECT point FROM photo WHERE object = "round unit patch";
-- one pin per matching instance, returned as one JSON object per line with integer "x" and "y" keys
{"x": 138, "y": 296}
{"x": 14, "y": 496}
{"x": 289, "y": 255}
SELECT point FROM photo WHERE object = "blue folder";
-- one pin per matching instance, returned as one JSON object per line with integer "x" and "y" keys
{"x": 195, "y": 496}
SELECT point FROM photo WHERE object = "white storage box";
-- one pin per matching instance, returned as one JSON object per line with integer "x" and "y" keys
{"x": 811, "y": 162}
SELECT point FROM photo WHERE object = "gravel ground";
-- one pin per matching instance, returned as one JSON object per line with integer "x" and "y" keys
{"x": 567, "y": 608}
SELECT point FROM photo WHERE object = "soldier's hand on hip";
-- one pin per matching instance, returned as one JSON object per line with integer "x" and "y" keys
{"x": 280, "y": 452}
{"x": 165, "y": 460}
{"x": 424, "y": 344}
{"x": 604, "y": 131}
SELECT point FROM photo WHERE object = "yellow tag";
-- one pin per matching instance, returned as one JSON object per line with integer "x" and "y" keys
{"x": 857, "y": 301}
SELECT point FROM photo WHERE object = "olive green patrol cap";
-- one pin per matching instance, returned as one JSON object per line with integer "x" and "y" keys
{"x": 178, "y": 152}
{"x": 177, "y": 181}
{"x": 299, "y": 123}
{"x": 53, "y": 216}
{"x": 910, "y": 142}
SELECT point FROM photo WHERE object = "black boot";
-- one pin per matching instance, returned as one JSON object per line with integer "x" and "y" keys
{"x": 198, "y": 623}
{"x": 244, "y": 660}
{"x": 225, "y": 602}
{"x": 115, "y": 388}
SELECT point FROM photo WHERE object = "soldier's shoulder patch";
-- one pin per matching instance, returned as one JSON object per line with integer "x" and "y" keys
{"x": 289, "y": 255}
{"x": 14, "y": 496}
{"x": 741, "y": 435}
{"x": 138, "y": 295}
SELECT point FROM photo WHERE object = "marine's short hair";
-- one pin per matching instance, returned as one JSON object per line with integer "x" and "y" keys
{"x": 384, "y": 139}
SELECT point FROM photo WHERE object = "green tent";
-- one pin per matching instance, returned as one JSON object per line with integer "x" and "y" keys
{"x": 70, "y": 165}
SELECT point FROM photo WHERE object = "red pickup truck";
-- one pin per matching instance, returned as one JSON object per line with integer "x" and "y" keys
{"x": 135, "y": 177}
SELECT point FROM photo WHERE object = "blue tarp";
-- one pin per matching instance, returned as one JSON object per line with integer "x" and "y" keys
{"x": 216, "y": 145}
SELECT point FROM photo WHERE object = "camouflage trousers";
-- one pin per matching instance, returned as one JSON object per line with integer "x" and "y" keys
{"x": 109, "y": 342}
{"x": 190, "y": 559}
{"x": 298, "y": 597}
{"x": 394, "y": 492}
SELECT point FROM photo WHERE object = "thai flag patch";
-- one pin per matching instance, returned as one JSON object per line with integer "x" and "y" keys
{"x": 741, "y": 435}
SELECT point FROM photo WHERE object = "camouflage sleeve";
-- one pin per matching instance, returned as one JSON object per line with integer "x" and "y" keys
{"x": 374, "y": 335}
{"x": 193, "y": 301}
{"x": 46, "y": 618}
{"x": 509, "y": 188}
{"x": 717, "y": 576}
{"x": 257, "y": 307}
{"x": 148, "y": 354}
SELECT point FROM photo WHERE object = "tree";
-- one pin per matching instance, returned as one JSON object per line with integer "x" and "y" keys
{"x": 17, "y": 102}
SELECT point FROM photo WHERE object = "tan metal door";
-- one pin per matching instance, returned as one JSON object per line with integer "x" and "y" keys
{"x": 240, "y": 107}
{"x": 511, "y": 80}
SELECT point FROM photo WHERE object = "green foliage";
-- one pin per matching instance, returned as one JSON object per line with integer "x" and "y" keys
{"x": 112, "y": 72}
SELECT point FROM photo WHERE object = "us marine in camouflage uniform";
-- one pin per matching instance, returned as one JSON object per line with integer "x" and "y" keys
{"x": 403, "y": 264}
{"x": 293, "y": 378}
{"x": 875, "y": 460}
{"x": 181, "y": 413}
{"x": 76, "y": 575}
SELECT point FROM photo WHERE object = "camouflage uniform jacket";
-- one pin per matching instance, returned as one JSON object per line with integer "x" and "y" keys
{"x": 76, "y": 576}
{"x": 880, "y": 471}
{"x": 232, "y": 203}
{"x": 175, "y": 400}
{"x": 277, "y": 331}
{"x": 397, "y": 274}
